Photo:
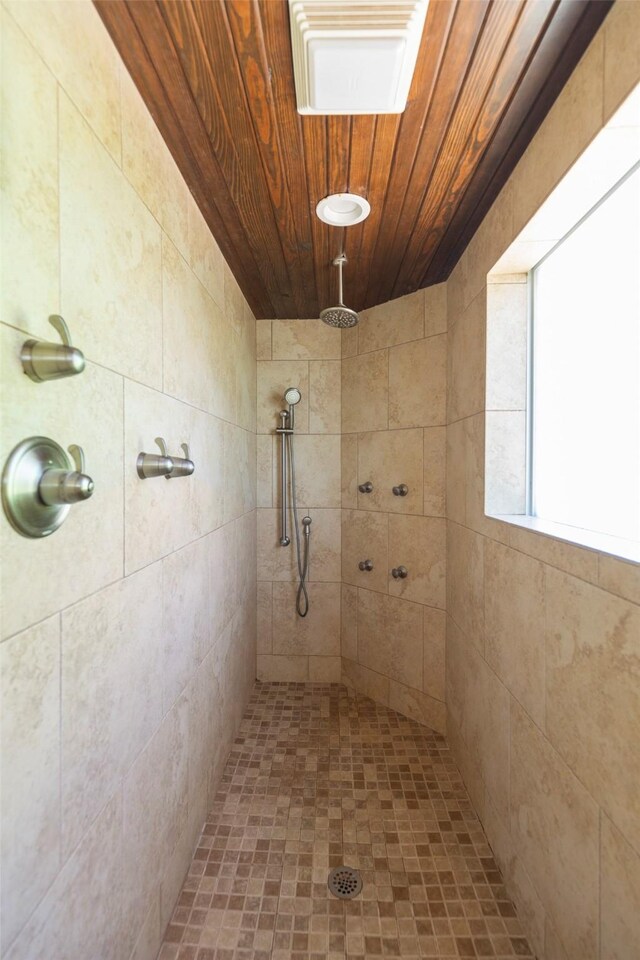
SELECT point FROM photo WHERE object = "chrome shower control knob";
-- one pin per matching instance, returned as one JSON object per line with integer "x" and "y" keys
{"x": 366, "y": 565}
{"x": 42, "y": 360}
{"x": 399, "y": 573}
{"x": 58, "y": 487}
{"x": 182, "y": 466}
{"x": 401, "y": 490}
{"x": 366, "y": 487}
{"x": 151, "y": 465}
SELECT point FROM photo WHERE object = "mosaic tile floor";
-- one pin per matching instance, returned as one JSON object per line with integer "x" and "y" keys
{"x": 320, "y": 777}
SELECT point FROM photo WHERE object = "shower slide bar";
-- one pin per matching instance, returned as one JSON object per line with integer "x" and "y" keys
{"x": 284, "y": 430}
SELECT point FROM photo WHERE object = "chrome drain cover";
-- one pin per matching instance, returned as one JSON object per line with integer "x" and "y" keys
{"x": 345, "y": 882}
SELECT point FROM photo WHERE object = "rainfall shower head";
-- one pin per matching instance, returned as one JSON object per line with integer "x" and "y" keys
{"x": 292, "y": 396}
{"x": 339, "y": 316}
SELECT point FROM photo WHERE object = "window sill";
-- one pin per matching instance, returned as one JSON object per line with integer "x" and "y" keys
{"x": 602, "y": 542}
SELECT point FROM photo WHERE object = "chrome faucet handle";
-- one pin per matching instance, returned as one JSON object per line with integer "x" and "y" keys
{"x": 58, "y": 486}
{"x": 399, "y": 573}
{"x": 42, "y": 360}
{"x": 151, "y": 465}
{"x": 182, "y": 466}
{"x": 77, "y": 455}
{"x": 60, "y": 324}
{"x": 401, "y": 490}
{"x": 366, "y": 565}
{"x": 366, "y": 487}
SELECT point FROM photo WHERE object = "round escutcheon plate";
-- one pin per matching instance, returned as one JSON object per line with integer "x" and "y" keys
{"x": 25, "y": 509}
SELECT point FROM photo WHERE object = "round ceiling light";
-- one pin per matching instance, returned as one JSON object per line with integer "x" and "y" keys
{"x": 343, "y": 209}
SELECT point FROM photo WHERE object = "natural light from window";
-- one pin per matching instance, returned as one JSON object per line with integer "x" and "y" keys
{"x": 585, "y": 436}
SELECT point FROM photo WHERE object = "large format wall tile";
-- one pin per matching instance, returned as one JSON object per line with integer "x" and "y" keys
{"x": 569, "y": 127}
{"x": 74, "y": 44}
{"x": 593, "y": 687}
{"x": 273, "y": 379}
{"x": 265, "y": 617}
{"x": 163, "y": 515}
{"x": 110, "y": 258}
{"x": 390, "y": 637}
{"x": 621, "y": 55}
{"x": 388, "y": 458}
{"x": 325, "y": 396}
{"x": 30, "y": 721}
{"x": 349, "y": 470}
{"x": 465, "y": 582}
{"x": 514, "y": 624}
{"x": 239, "y": 471}
{"x": 304, "y": 340}
{"x": 265, "y": 469}
{"x": 420, "y": 545}
{"x": 368, "y": 682}
{"x": 417, "y": 383}
{"x": 435, "y": 309}
{"x": 551, "y": 810}
{"x": 197, "y": 340}
{"x": 349, "y": 621}
{"x": 187, "y": 621}
{"x": 283, "y": 669}
{"x": 84, "y": 905}
{"x": 434, "y": 476}
{"x": 365, "y": 537}
{"x": 318, "y": 633}
{"x": 390, "y": 323}
{"x": 205, "y": 258}
{"x": 365, "y": 385}
{"x": 242, "y": 360}
{"x": 465, "y": 361}
{"x": 274, "y": 562}
{"x": 619, "y": 895}
{"x": 29, "y": 241}
{"x": 155, "y": 797}
{"x": 86, "y": 552}
{"x": 479, "y": 705}
{"x": 111, "y": 700}
{"x": 433, "y": 677}
{"x": 317, "y": 460}
{"x": 326, "y": 545}
{"x": 417, "y": 705}
{"x": 619, "y": 576}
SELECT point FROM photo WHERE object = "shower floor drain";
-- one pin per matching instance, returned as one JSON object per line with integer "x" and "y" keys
{"x": 345, "y": 882}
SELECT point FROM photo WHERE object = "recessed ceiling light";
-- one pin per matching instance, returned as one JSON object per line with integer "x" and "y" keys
{"x": 343, "y": 209}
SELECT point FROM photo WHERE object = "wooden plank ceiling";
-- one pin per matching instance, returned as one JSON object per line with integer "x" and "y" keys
{"x": 218, "y": 78}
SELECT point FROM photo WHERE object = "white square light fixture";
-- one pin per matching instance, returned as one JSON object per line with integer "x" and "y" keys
{"x": 355, "y": 56}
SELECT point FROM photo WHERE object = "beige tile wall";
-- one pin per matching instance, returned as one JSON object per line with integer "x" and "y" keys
{"x": 394, "y": 373}
{"x": 304, "y": 354}
{"x": 543, "y": 638}
{"x": 128, "y": 637}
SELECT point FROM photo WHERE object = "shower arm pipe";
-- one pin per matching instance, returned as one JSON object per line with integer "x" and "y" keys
{"x": 338, "y": 262}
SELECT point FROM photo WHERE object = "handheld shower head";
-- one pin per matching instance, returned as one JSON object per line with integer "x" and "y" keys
{"x": 292, "y": 396}
{"x": 339, "y": 316}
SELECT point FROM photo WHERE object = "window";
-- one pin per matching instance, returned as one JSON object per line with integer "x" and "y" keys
{"x": 584, "y": 468}
{"x": 562, "y": 413}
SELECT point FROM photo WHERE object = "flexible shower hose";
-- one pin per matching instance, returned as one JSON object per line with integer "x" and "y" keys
{"x": 302, "y": 597}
